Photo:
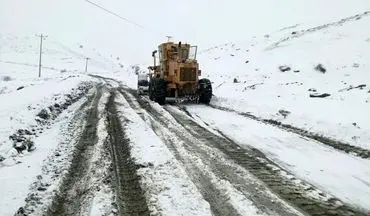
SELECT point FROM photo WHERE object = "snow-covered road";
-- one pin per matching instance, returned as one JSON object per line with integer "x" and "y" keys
{"x": 113, "y": 152}
{"x": 211, "y": 156}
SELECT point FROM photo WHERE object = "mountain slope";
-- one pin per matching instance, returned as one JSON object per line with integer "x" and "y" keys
{"x": 281, "y": 74}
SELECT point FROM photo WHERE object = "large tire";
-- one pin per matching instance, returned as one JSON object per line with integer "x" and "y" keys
{"x": 151, "y": 91}
{"x": 161, "y": 91}
{"x": 158, "y": 90}
{"x": 205, "y": 91}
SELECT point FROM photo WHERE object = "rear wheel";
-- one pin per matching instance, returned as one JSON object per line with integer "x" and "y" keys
{"x": 151, "y": 92}
{"x": 205, "y": 91}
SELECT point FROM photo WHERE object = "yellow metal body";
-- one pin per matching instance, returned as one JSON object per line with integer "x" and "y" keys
{"x": 178, "y": 67}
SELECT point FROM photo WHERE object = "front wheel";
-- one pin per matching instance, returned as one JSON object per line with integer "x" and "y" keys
{"x": 160, "y": 91}
{"x": 205, "y": 91}
{"x": 157, "y": 90}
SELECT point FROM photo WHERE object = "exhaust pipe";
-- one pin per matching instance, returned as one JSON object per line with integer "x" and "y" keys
{"x": 153, "y": 54}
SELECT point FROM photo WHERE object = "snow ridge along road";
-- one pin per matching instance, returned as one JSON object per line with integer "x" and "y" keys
{"x": 41, "y": 189}
{"x": 356, "y": 150}
{"x": 213, "y": 160}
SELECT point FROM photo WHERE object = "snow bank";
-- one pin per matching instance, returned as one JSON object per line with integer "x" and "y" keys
{"x": 23, "y": 94}
{"x": 16, "y": 182}
{"x": 21, "y": 108}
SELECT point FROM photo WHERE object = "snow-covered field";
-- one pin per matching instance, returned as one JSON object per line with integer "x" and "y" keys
{"x": 275, "y": 76}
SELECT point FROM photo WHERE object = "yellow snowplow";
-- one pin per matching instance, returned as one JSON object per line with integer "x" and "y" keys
{"x": 176, "y": 77}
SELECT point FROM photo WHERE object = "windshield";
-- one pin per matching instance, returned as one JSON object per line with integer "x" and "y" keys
{"x": 184, "y": 54}
{"x": 193, "y": 52}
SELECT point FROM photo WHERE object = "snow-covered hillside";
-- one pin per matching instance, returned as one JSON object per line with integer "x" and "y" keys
{"x": 35, "y": 110}
{"x": 277, "y": 77}
{"x": 23, "y": 94}
{"x": 57, "y": 56}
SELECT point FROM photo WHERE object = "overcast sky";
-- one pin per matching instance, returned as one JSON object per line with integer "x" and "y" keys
{"x": 201, "y": 22}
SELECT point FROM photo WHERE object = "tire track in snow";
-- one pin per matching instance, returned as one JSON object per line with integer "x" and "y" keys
{"x": 282, "y": 183}
{"x": 213, "y": 174}
{"x": 130, "y": 196}
{"x": 341, "y": 146}
{"x": 213, "y": 195}
{"x": 74, "y": 189}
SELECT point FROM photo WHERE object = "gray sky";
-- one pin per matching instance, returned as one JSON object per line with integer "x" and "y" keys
{"x": 201, "y": 22}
